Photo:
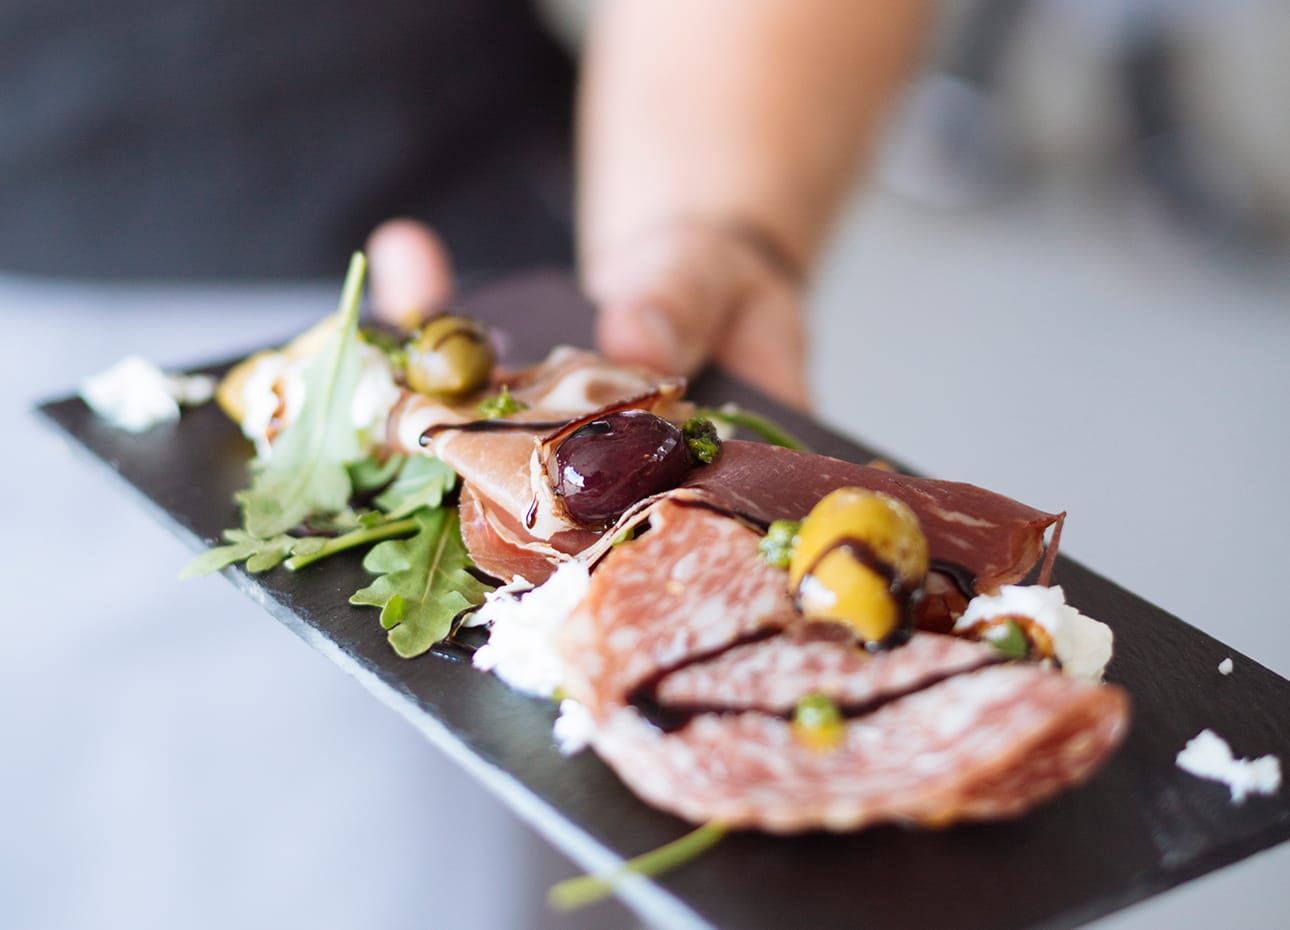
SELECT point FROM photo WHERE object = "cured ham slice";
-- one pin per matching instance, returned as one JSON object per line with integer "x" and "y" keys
{"x": 986, "y": 745}
{"x": 997, "y": 539}
{"x": 939, "y": 732}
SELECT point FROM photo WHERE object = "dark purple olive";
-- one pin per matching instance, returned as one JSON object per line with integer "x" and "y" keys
{"x": 616, "y": 460}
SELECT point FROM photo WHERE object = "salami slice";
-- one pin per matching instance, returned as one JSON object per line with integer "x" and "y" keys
{"x": 772, "y": 675}
{"x": 981, "y": 746}
{"x": 939, "y": 732}
{"x": 690, "y": 586}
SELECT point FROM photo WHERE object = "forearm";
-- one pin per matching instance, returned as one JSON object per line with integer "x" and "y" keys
{"x": 752, "y": 112}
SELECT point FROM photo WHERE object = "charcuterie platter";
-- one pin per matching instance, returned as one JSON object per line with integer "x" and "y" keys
{"x": 1138, "y": 826}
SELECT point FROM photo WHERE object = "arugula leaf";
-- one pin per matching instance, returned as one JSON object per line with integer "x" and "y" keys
{"x": 422, "y": 482}
{"x": 423, "y": 582}
{"x": 259, "y": 554}
{"x": 587, "y": 889}
{"x": 501, "y": 404}
{"x": 371, "y": 474}
{"x": 768, "y": 431}
{"x": 373, "y": 527}
{"x": 307, "y": 474}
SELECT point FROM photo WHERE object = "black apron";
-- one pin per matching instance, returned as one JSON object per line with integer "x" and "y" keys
{"x": 250, "y": 139}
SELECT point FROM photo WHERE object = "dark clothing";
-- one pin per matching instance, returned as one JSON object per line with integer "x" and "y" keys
{"x": 239, "y": 138}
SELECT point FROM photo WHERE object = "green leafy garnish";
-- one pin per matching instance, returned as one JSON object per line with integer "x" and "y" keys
{"x": 423, "y": 582}
{"x": 1009, "y": 639}
{"x": 587, "y": 889}
{"x": 501, "y": 404}
{"x": 307, "y": 473}
{"x": 371, "y": 474}
{"x": 701, "y": 436}
{"x": 733, "y": 415}
{"x": 260, "y": 555}
{"x": 422, "y": 482}
{"x": 393, "y": 347}
{"x": 777, "y": 546}
{"x": 373, "y": 527}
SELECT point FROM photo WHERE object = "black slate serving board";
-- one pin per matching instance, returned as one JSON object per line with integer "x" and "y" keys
{"x": 1139, "y": 827}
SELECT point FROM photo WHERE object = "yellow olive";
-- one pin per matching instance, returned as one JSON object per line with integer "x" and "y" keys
{"x": 861, "y": 560}
{"x": 451, "y": 355}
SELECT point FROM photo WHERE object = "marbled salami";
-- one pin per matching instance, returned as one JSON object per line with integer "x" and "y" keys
{"x": 773, "y": 674}
{"x": 981, "y": 746}
{"x": 692, "y": 585}
{"x": 938, "y": 731}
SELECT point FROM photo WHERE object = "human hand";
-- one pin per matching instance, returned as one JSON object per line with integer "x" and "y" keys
{"x": 410, "y": 272}
{"x": 672, "y": 299}
{"x": 688, "y": 292}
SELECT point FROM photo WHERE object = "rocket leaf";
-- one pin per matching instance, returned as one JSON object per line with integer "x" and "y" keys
{"x": 307, "y": 474}
{"x": 259, "y": 554}
{"x": 422, "y": 482}
{"x": 423, "y": 582}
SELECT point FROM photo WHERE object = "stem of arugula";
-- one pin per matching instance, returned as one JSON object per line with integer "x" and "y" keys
{"x": 586, "y": 889}
{"x": 361, "y": 537}
{"x": 768, "y": 431}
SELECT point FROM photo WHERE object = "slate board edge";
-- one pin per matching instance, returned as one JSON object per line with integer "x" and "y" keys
{"x": 651, "y": 902}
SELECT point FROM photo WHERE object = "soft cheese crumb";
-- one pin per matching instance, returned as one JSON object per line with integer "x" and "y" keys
{"x": 1207, "y": 755}
{"x": 1225, "y": 667}
{"x": 574, "y": 728}
{"x": 1081, "y": 644}
{"x": 135, "y": 395}
{"x": 521, "y": 647}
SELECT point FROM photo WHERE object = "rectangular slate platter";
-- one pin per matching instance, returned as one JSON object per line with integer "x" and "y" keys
{"x": 1140, "y": 826}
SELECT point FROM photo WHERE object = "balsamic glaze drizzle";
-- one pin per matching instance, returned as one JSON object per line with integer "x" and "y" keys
{"x": 492, "y": 426}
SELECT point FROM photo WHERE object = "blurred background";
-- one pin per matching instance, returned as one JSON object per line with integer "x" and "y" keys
{"x": 1066, "y": 277}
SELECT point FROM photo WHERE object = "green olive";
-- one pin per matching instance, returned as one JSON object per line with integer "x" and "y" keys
{"x": 450, "y": 356}
{"x": 861, "y": 560}
{"x": 817, "y": 723}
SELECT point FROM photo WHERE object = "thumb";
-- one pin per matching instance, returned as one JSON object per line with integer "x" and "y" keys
{"x": 658, "y": 332}
{"x": 410, "y": 270}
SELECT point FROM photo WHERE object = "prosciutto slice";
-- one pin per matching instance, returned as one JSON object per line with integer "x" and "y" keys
{"x": 503, "y": 468}
{"x": 996, "y": 539}
{"x": 939, "y": 732}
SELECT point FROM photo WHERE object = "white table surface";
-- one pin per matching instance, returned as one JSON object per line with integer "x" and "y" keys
{"x": 174, "y": 757}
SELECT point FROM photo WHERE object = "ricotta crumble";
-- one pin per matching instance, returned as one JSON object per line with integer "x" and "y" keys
{"x": 523, "y": 624}
{"x": 1081, "y": 644}
{"x": 1207, "y": 755}
{"x": 135, "y": 395}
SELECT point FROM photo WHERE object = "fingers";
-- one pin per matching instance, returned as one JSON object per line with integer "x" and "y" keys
{"x": 766, "y": 346}
{"x": 685, "y": 294}
{"x": 411, "y": 272}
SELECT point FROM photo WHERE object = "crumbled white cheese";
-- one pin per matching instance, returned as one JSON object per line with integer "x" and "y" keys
{"x": 521, "y": 647}
{"x": 374, "y": 396}
{"x": 135, "y": 394}
{"x": 1207, "y": 755}
{"x": 277, "y": 382}
{"x": 1225, "y": 667}
{"x": 260, "y": 400}
{"x": 1082, "y": 645}
{"x": 574, "y": 728}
